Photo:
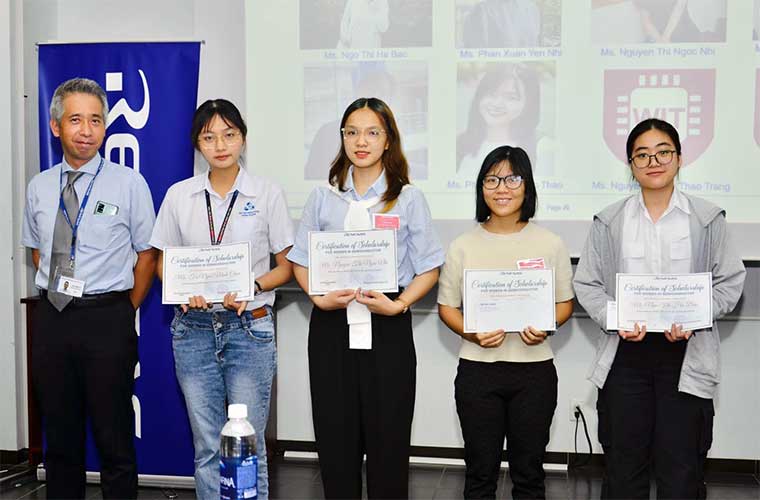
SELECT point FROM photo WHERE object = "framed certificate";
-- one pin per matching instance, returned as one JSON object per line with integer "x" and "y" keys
{"x": 510, "y": 300}
{"x": 659, "y": 300}
{"x": 352, "y": 259}
{"x": 211, "y": 272}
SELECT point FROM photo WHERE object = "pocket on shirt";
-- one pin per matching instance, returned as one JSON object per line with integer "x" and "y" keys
{"x": 633, "y": 257}
{"x": 680, "y": 249}
{"x": 103, "y": 231}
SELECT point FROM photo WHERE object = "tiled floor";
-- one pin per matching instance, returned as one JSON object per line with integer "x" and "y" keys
{"x": 301, "y": 480}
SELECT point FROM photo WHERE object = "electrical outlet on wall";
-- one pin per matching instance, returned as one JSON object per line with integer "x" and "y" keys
{"x": 578, "y": 403}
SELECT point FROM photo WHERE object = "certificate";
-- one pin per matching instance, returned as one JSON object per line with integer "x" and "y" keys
{"x": 508, "y": 300}
{"x": 210, "y": 272}
{"x": 352, "y": 259}
{"x": 659, "y": 300}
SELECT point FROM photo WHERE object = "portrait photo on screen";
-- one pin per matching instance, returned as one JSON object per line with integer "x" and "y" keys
{"x": 365, "y": 24}
{"x": 330, "y": 87}
{"x": 505, "y": 103}
{"x": 508, "y": 23}
{"x": 658, "y": 21}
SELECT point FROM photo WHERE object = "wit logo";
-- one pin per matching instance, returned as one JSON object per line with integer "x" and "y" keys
{"x": 135, "y": 119}
{"x": 683, "y": 97}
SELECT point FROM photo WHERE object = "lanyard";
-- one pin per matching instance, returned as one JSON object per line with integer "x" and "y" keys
{"x": 75, "y": 227}
{"x": 214, "y": 239}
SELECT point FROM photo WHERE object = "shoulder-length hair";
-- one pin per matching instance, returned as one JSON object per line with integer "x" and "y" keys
{"x": 523, "y": 128}
{"x": 520, "y": 163}
{"x": 393, "y": 159}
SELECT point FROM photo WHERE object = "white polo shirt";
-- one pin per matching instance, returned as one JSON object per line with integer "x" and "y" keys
{"x": 260, "y": 216}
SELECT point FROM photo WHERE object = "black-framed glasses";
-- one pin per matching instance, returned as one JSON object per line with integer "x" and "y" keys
{"x": 492, "y": 182}
{"x": 643, "y": 160}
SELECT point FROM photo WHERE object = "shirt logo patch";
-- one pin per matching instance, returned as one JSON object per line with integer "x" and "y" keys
{"x": 249, "y": 209}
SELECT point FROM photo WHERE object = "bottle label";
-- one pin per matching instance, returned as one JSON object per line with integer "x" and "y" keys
{"x": 238, "y": 478}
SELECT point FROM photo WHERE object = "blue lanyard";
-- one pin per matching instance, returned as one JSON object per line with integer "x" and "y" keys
{"x": 75, "y": 227}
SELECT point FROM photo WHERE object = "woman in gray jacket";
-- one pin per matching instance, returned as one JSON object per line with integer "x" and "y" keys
{"x": 655, "y": 389}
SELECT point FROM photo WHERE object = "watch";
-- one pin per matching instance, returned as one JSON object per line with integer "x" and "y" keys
{"x": 257, "y": 288}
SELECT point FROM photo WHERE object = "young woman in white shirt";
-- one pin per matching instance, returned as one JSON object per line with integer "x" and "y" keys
{"x": 225, "y": 352}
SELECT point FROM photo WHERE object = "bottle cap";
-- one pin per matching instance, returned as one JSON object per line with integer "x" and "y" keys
{"x": 237, "y": 411}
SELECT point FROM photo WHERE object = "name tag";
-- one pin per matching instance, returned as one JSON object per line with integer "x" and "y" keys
{"x": 537, "y": 263}
{"x": 386, "y": 221}
{"x": 103, "y": 208}
{"x": 70, "y": 286}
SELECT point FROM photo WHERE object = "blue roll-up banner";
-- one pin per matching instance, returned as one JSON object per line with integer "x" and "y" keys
{"x": 152, "y": 92}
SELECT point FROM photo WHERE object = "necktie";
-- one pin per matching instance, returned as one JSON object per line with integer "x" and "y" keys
{"x": 358, "y": 316}
{"x": 60, "y": 256}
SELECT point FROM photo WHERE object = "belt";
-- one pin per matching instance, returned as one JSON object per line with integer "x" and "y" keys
{"x": 94, "y": 299}
{"x": 259, "y": 312}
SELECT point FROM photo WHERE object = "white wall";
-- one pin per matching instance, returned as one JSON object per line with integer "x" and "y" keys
{"x": 435, "y": 420}
{"x": 11, "y": 103}
{"x": 220, "y": 24}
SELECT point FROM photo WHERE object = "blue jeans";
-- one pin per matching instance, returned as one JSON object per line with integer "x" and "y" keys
{"x": 220, "y": 359}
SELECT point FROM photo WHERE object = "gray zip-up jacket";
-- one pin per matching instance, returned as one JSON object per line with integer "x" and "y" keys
{"x": 594, "y": 284}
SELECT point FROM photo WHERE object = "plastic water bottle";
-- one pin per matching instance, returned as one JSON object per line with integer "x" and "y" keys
{"x": 238, "y": 465}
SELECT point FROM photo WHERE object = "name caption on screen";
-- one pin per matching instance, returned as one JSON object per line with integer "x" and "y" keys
{"x": 509, "y": 53}
{"x": 677, "y": 52}
{"x": 355, "y": 55}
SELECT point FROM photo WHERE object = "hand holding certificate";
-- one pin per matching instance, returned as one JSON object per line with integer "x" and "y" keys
{"x": 352, "y": 259}
{"x": 210, "y": 272}
{"x": 660, "y": 301}
{"x": 508, "y": 300}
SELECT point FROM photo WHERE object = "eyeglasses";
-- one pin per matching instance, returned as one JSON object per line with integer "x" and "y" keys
{"x": 643, "y": 160}
{"x": 230, "y": 138}
{"x": 492, "y": 182}
{"x": 371, "y": 135}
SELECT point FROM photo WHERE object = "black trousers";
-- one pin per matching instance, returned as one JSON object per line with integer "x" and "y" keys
{"x": 512, "y": 400}
{"x": 644, "y": 422}
{"x": 83, "y": 367}
{"x": 362, "y": 402}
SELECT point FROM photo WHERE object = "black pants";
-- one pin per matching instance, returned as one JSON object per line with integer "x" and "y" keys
{"x": 512, "y": 400}
{"x": 83, "y": 366}
{"x": 362, "y": 402}
{"x": 644, "y": 421}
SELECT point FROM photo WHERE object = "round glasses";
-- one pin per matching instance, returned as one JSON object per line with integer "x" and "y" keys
{"x": 371, "y": 135}
{"x": 643, "y": 160}
{"x": 230, "y": 138}
{"x": 492, "y": 182}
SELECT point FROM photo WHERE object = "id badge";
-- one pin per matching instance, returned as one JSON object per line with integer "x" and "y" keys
{"x": 69, "y": 286}
{"x": 536, "y": 263}
{"x": 386, "y": 221}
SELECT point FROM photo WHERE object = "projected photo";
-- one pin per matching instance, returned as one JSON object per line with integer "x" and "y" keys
{"x": 505, "y": 103}
{"x": 508, "y": 23}
{"x": 330, "y": 87}
{"x": 365, "y": 24}
{"x": 683, "y": 97}
{"x": 658, "y": 21}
